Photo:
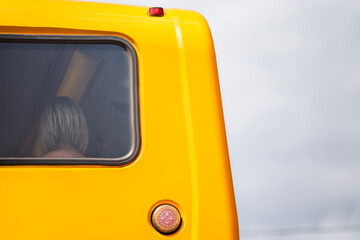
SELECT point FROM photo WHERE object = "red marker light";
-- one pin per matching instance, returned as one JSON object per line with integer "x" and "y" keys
{"x": 166, "y": 219}
{"x": 156, "y": 12}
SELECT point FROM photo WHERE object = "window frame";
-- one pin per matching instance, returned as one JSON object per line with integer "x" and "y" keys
{"x": 134, "y": 99}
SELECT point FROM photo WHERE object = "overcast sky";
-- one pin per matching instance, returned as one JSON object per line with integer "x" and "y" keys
{"x": 290, "y": 81}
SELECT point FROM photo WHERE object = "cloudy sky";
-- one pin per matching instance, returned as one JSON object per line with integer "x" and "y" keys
{"x": 290, "y": 81}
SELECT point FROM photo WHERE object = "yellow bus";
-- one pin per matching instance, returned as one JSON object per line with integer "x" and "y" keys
{"x": 111, "y": 125}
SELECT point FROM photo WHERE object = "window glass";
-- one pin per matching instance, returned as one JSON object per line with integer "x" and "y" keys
{"x": 70, "y": 99}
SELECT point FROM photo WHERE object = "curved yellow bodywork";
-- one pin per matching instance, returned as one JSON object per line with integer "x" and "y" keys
{"x": 183, "y": 158}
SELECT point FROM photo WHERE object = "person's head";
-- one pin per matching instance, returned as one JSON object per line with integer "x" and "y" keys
{"x": 63, "y": 125}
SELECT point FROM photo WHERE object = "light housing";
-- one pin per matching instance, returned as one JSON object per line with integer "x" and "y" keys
{"x": 156, "y": 11}
{"x": 166, "y": 219}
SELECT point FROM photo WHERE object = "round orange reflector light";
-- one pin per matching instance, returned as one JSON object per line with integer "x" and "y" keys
{"x": 166, "y": 219}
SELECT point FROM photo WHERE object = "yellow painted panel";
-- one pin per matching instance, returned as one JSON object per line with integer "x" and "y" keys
{"x": 183, "y": 158}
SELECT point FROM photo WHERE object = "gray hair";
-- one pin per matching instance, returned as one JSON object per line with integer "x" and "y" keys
{"x": 63, "y": 124}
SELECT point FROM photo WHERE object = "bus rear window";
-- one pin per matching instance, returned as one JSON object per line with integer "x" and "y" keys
{"x": 67, "y": 100}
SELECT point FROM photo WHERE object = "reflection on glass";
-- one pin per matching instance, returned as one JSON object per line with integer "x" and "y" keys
{"x": 95, "y": 76}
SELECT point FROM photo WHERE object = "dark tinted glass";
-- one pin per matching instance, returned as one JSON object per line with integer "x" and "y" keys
{"x": 96, "y": 76}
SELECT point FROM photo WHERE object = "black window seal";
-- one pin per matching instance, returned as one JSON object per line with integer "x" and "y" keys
{"x": 135, "y": 125}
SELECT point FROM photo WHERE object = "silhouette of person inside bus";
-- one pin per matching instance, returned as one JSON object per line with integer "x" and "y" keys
{"x": 63, "y": 130}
